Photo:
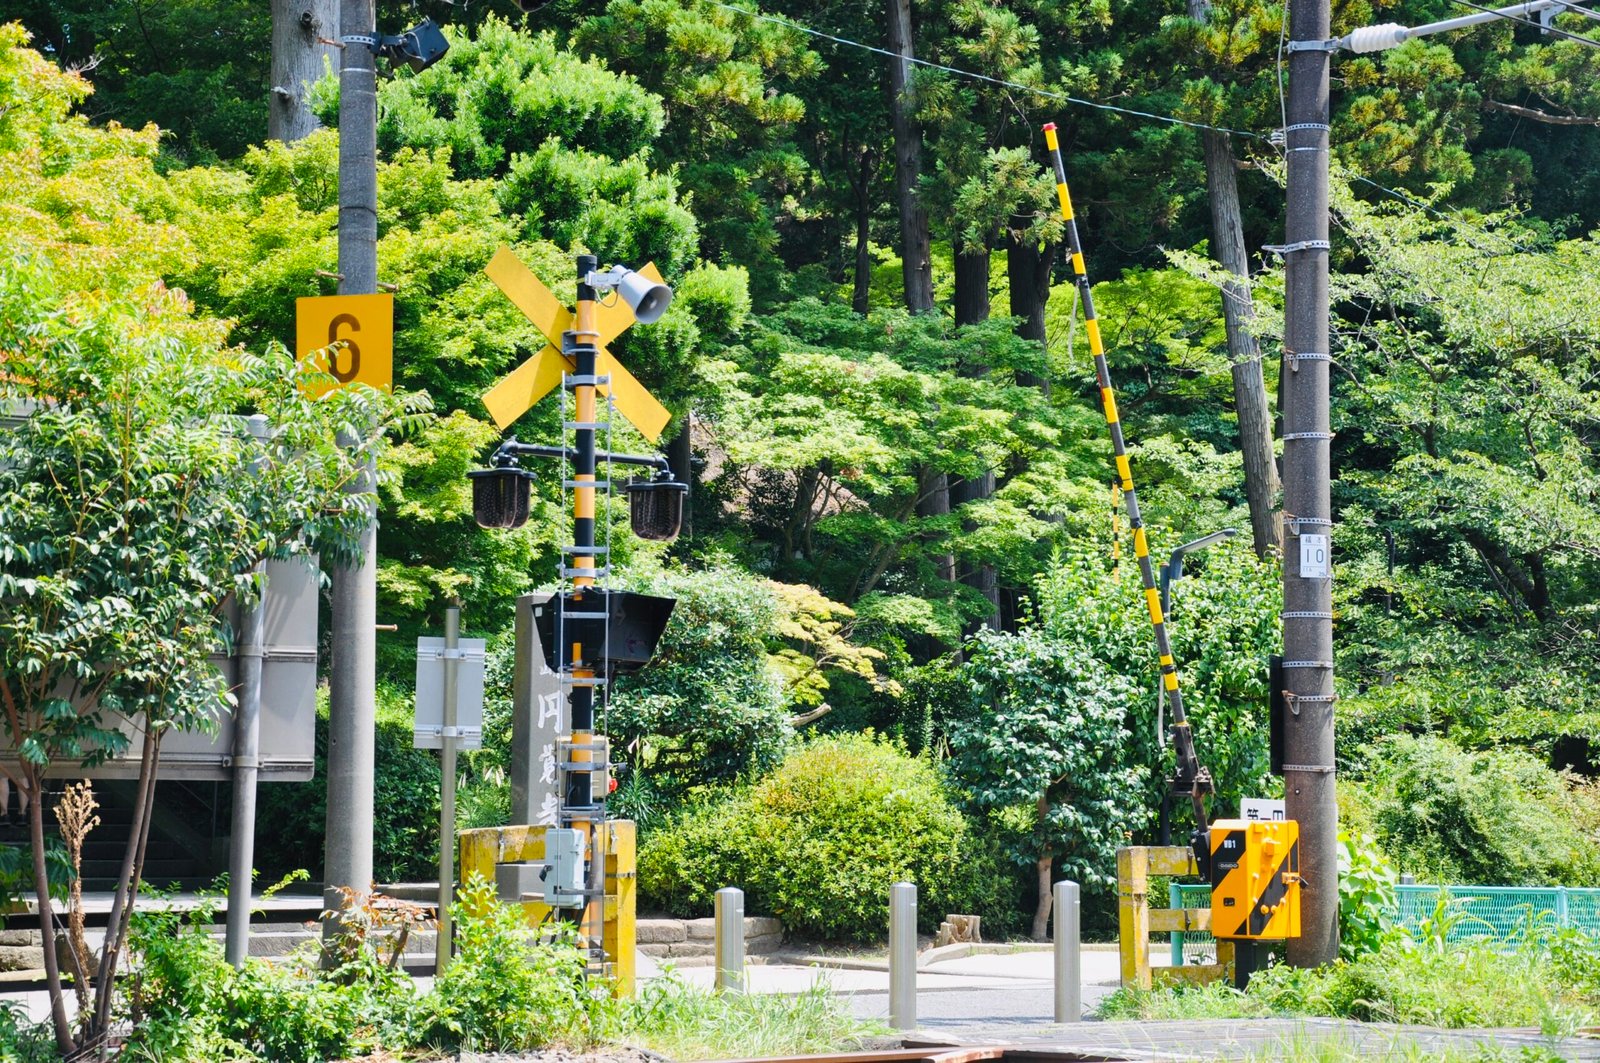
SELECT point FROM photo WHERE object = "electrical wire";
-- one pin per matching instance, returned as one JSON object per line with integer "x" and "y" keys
{"x": 1591, "y": 42}
{"x": 958, "y": 72}
{"x": 1576, "y": 10}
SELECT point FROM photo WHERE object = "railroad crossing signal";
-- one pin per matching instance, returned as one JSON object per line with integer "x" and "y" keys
{"x": 366, "y": 325}
{"x": 539, "y": 375}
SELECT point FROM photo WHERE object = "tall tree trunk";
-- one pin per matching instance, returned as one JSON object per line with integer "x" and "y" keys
{"x": 915, "y": 254}
{"x": 1028, "y": 266}
{"x": 129, "y": 876}
{"x": 34, "y": 788}
{"x": 862, "y": 186}
{"x": 1244, "y": 354}
{"x": 972, "y": 306}
{"x": 972, "y": 287}
{"x": 933, "y": 500}
{"x": 297, "y": 62}
{"x": 1044, "y": 869}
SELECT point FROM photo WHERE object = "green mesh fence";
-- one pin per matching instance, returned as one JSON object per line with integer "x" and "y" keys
{"x": 1502, "y": 914}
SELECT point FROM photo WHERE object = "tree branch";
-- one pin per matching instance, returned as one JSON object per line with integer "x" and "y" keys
{"x": 1537, "y": 115}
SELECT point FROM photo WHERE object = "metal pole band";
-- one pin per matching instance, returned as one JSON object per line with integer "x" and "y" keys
{"x": 1314, "y": 769}
{"x": 1322, "y": 126}
{"x": 1298, "y": 245}
{"x": 1308, "y": 664}
{"x": 1329, "y": 45}
{"x": 1293, "y": 522}
{"x": 1307, "y": 614}
{"x": 1308, "y": 435}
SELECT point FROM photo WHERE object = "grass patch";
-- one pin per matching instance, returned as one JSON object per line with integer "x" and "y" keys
{"x": 1551, "y": 982}
{"x": 685, "y": 1022}
{"x": 1303, "y": 1049}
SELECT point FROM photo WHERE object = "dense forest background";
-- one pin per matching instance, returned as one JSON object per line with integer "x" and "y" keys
{"x": 902, "y": 517}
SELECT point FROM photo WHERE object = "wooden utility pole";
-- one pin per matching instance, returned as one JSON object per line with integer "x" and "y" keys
{"x": 1308, "y": 772}
{"x": 353, "y": 676}
{"x": 298, "y": 59}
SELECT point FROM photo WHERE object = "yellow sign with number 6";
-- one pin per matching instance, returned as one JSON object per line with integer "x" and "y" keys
{"x": 363, "y": 324}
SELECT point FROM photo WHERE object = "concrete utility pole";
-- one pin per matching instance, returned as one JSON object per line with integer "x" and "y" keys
{"x": 1307, "y": 510}
{"x": 351, "y": 709}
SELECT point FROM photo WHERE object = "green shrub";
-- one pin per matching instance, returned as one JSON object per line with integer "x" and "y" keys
{"x": 186, "y": 1002}
{"x": 709, "y": 708}
{"x": 505, "y": 991}
{"x": 405, "y": 805}
{"x": 1366, "y": 896}
{"x": 818, "y": 843}
{"x": 1488, "y": 817}
{"x": 1548, "y": 982}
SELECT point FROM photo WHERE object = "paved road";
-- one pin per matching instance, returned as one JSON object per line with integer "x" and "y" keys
{"x": 1012, "y": 989}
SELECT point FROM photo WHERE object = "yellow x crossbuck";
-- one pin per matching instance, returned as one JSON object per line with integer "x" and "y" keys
{"x": 539, "y": 375}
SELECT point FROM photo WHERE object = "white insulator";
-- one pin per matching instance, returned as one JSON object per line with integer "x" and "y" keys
{"x": 1376, "y": 38}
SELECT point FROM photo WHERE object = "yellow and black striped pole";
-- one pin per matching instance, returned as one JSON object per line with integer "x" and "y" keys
{"x": 1189, "y": 770}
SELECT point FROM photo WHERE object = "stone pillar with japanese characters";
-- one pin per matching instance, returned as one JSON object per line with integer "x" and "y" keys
{"x": 538, "y": 720}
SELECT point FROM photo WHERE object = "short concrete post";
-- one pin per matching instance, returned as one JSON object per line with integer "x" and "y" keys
{"x": 903, "y": 956}
{"x": 729, "y": 934}
{"x": 1069, "y": 954}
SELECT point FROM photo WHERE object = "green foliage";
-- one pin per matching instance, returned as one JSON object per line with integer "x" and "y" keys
{"x": 709, "y": 708}
{"x": 405, "y": 829}
{"x": 186, "y": 1002}
{"x": 1547, "y": 982}
{"x": 1366, "y": 896}
{"x": 819, "y": 841}
{"x": 1475, "y": 426}
{"x": 683, "y": 1021}
{"x": 21, "y": 1040}
{"x": 830, "y": 420}
{"x": 150, "y": 64}
{"x": 506, "y": 990}
{"x": 725, "y": 78}
{"x": 1223, "y": 625}
{"x": 1042, "y": 730}
{"x": 503, "y": 91}
{"x": 1491, "y": 817}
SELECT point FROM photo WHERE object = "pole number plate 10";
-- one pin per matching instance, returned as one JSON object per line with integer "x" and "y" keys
{"x": 1314, "y": 563}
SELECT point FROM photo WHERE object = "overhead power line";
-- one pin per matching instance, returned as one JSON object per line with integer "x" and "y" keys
{"x": 973, "y": 75}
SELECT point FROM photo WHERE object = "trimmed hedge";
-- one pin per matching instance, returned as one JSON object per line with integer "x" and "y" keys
{"x": 819, "y": 841}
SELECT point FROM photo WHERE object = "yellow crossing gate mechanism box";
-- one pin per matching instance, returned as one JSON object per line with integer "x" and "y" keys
{"x": 1255, "y": 880}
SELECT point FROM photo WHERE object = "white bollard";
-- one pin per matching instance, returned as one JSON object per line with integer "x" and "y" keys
{"x": 729, "y": 934}
{"x": 903, "y": 956}
{"x": 1069, "y": 954}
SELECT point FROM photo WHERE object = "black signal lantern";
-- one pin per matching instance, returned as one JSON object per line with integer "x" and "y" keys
{"x": 655, "y": 506}
{"x": 500, "y": 496}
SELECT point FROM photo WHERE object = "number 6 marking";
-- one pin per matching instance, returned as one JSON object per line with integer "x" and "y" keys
{"x": 347, "y": 375}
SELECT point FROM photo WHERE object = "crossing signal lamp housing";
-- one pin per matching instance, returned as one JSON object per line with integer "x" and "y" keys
{"x": 655, "y": 507}
{"x": 500, "y": 496}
